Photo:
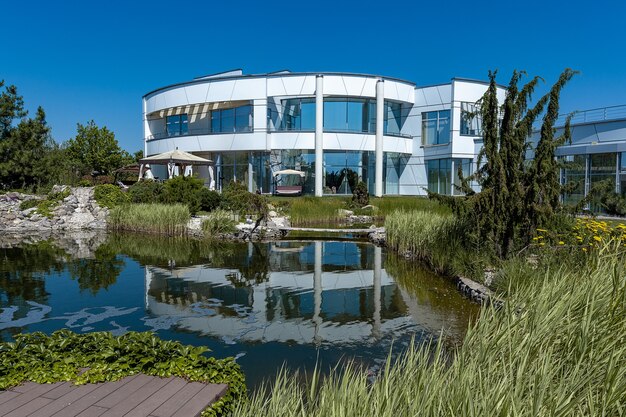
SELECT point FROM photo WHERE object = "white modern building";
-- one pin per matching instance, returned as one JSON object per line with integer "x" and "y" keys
{"x": 338, "y": 128}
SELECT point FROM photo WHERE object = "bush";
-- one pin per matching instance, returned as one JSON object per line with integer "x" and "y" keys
{"x": 99, "y": 357}
{"x": 26, "y": 204}
{"x": 109, "y": 195}
{"x": 209, "y": 200}
{"x": 183, "y": 190}
{"x": 170, "y": 219}
{"x": 217, "y": 222}
{"x": 146, "y": 192}
{"x": 360, "y": 195}
{"x": 236, "y": 197}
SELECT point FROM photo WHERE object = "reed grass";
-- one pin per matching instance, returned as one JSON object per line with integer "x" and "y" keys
{"x": 217, "y": 222}
{"x": 557, "y": 348}
{"x": 168, "y": 219}
{"x": 316, "y": 210}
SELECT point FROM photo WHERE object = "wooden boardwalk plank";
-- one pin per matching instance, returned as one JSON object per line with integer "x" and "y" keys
{"x": 101, "y": 391}
{"x": 17, "y": 402}
{"x": 25, "y": 387}
{"x": 92, "y": 411}
{"x": 129, "y": 389}
{"x": 155, "y": 400}
{"x": 7, "y": 395}
{"x": 28, "y": 408}
{"x": 173, "y": 404}
{"x": 201, "y": 400}
{"x": 60, "y": 403}
{"x": 60, "y": 391}
{"x": 140, "y": 395}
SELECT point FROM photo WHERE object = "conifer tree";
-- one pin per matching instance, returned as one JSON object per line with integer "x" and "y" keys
{"x": 516, "y": 196}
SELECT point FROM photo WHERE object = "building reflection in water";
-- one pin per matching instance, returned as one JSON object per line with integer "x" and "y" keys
{"x": 311, "y": 293}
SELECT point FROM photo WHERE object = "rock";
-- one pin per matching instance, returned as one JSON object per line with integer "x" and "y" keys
{"x": 272, "y": 213}
{"x": 58, "y": 188}
{"x": 369, "y": 207}
{"x": 344, "y": 212}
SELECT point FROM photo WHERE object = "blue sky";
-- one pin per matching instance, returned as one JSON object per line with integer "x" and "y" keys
{"x": 84, "y": 60}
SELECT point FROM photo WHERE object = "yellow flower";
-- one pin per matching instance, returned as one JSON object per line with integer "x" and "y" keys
{"x": 541, "y": 230}
{"x": 597, "y": 238}
{"x": 561, "y": 242}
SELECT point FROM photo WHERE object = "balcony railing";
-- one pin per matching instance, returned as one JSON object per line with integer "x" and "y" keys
{"x": 280, "y": 130}
{"x": 595, "y": 115}
{"x": 197, "y": 132}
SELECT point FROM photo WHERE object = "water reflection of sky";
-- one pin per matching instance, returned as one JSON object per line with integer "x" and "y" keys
{"x": 266, "y": 303}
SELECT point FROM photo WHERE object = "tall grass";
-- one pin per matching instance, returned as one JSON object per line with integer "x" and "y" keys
{"x": 217, "y": 222}
{"x": 168, "y": 219}
{"x": 557, "y": 348}
{"x": 316, "y": 210}
{"x": 388, "y": 204}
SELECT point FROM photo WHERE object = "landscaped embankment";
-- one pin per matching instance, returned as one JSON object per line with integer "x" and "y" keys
{"x": 558, "y": 347}
{"x": 64, "y": 208}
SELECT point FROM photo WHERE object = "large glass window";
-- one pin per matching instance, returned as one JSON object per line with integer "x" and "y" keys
{"x": 622, "y": 174}
{"x": 438, "y": 171}
{"x": 602, "y": 167}
{"x": 343, "y": 170}
{"x": 436, "y": 127}
{"x": 350, "y": 115}
{"x": 471, "y": 121}
{"x": 573, "y": 178}
{"x": 298, "y": 114}
{"x": 238, "y": 119}
{"x": 466, "y": 169}
{"x": 234, "y": 167}
{"x": 393, "y": 118}
{"x": 177, "y": 125}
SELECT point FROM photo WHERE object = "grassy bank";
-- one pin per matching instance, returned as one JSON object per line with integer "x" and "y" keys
{"x": 169, "y": 219}
{"x": 324, "y": 210}
{"x": 556, "y": 348}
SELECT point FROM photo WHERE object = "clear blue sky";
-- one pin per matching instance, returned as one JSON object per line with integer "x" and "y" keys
{"x": 85, "y": 60}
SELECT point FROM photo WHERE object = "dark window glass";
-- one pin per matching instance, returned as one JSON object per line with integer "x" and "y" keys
{"x": 307, "y": 114}
{"x": 243, "y": 118}
{"x": 471, "y": 122}
{"x": 176, "y": 125}
{"x": 392, "y": 118}
{"x": 335, "y": 115}
{"x": 216, "y": 126}
{"x": 436, "y": 127}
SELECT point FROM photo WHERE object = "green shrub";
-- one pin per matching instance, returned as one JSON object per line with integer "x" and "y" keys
{"x": 47, "y": 206}
{"x": 183, "y": 190}
{"x": 26, "y": 204}
{"x": 209, "y": 200}
{"x": 218, "y": 222}
{"x": 109, "y": 195}
{"x": 99, "y": 357}
{"x": 360, "y": 195}
{"x": 169, "y": 219}
{"x": 146, "y": 191}
{"x": 236, "y": 197}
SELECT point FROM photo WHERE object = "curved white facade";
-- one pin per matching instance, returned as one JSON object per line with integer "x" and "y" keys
{"x": 338, "y": 128}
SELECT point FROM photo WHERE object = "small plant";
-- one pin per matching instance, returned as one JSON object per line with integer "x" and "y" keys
{"x": 218, "y": 222}
{"x": 109, "y": 195}
{"x": 236, "y": 197}
{"x": 27, "y": 204}
{"x": 360, "y": 195}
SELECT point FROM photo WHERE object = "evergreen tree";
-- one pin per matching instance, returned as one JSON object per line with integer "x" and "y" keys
{"x": 516, "y": 196}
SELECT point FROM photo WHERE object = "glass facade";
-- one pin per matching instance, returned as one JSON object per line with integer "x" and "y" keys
{"x": 300, "y": 160}
{"x": 234, "y": 120}
{"x": 573, "y": 175}
{"x": 471, "y": 121}
{"x": 440, "y": 174}
{"x": 436, "y": 127}
{"x": 602, "y": 168}
{"x": 622, "y": 174}
{"x": 233, "y": 166}
{"x": 177, "y": 125}
{"x": 393, "y": 118}
{"x": 349, "y": 115}
{"x": 344, "y": 169}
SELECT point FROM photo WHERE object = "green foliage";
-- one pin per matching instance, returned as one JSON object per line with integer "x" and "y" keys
{"x": 556, "y": 348}
{"x": 360, "y": 195}
{"x": 146, "y": 191}
{"x": 95, "y": 149}
{"x": 316, "y": 210}
{"x": 515, "y": 196}
{"x": 46, "y": 207}
{"x": 26, "y": 204}
{"x": 216, "y": 223}
{"x": 603, "y": 196}
{"x": 61, "y": 357}
{"x": 169, "y": 219}
{"x": 209, "y": 199}
{"x": 235, "y": 197}
{"x": 183, "y": 190}
{"x": 110, "y": 196}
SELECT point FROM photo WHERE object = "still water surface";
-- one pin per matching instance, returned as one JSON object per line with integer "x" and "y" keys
{"x": 267, "y": 304}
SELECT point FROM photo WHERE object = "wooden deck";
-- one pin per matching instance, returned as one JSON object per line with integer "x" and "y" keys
{"x": 134, "y": 396}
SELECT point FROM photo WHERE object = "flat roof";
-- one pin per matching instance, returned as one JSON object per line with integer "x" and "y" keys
{"x": 282, "y": 73}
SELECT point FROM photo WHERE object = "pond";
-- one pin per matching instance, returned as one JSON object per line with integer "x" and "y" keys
{"x": 290, "y": 302}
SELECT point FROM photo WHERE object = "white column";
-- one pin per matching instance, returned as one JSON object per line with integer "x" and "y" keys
{"x": 378, "y": 262}
{"x": 146, "y": 129}
{"x": 380, "y": 120}
{"x": 319, "y": 135}
{"x": 250, "y": 173}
